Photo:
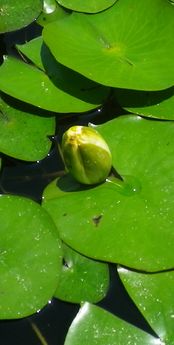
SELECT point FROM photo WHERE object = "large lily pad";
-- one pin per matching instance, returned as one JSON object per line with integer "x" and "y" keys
{"x": 156, "y": 104}
{"x": 16, "y": 14}
{"x": 24, "y": 133}
{"x": 96, "y": 326}
{"x": 130, "y": 221}
{"x": 153, "y": 295}
{"x": 90, "y": 6}
{"x": 120, "y": 47}
{"x": 53, "y": 87}
{"x": 81, "y": 278}
{"x": 30, "y": 257}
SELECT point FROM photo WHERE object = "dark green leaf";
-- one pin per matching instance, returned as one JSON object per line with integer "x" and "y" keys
{"x": 24, "y": 132}
{"x": 15, "y": 14}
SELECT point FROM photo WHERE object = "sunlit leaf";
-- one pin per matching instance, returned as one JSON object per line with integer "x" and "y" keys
{"x": 59, "y": 89}
{"x": 153, "y": 295}
{"x": 81, "y": 278}
{"x": 120, "y": 47}
{"x": 96, "y": 326}
{"x": 30, "y": 257}
{"x": 16, "y": 14}
{"x": 130, "y": 221}
{"x": 90, "y": 6}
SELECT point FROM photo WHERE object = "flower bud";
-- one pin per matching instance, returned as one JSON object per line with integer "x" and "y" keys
{"x": 86, "y": 155}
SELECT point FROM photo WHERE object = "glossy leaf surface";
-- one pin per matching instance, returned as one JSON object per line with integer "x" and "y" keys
{"x": 51, "y": 13}
{"x": 90, "y": 6}
{"x": 81, "y": 278}
{"x": 116, "y": 49}
{"x": 153, "y": 295}
{"x": 16, "y": 14}
{"x": 58, "y": 90}
{"x": 24, "y": 132}
{"x": 130, "y": 221}
{"x": 96, "y": 326}
{"x": 30, "y": 257}
{"x": 157, "y": 104}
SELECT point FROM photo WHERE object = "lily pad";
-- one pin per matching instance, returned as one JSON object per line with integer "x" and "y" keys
{"x": 156, "y": 104}
{"x": 128, "y": 221}
{"x": 24, "y": 132}
{"x": 90, "y": 6}
{"x": 121, "y": 47}
{"x": 95, "y": 326}
{"x": 54, "y": 88}
{"x": 52, "y": 11}
{"x": 16, "y": 14}
{"x": 153, "y": 295}
{"x": 81, "y": 278}
{"x": 30, "y": 257}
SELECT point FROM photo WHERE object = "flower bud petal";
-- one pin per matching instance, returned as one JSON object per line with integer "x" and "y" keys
{"x": 86, "y": 154}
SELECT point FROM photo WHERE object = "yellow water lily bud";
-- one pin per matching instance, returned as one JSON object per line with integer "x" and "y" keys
{"x": 86, "y": 154}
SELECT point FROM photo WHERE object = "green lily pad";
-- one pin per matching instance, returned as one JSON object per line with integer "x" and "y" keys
{"x": 24, "y": 133}
{"x": 95, "y": 326}
{"x": 153, "y": 295}
{"x": 16, "y": 14}
{"x": 121, "y": 47}
{"x": 54, "y": 88}
{"x": 90, "y": 6}
{"x": 131, "y": 221}
{"x": 156, "y": 104}
{"x": 81, "y": 278}
{"x": 30, "y": 257}
{"x": 52, "y": 12}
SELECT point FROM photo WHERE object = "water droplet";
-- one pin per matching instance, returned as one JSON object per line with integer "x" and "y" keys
{"x": 129, "y": 186}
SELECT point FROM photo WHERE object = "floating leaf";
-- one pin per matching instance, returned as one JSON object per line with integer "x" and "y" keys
{"x": 121, "y": 47}
{"x": 58, "y": 90}
{"x": 90, "y": 6}
{"x": 153, "y": 295}
{"x": 127, "y": 221}
{"x": 81, "y": 278}
{"x": 30, "y": 257}
{"x": 156, "y": 104}
{"x": 16, "y": 14}
{"x": 95, "y": 326}
{"x": 52, "y": 11}
{"x": 24, "y": 133}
